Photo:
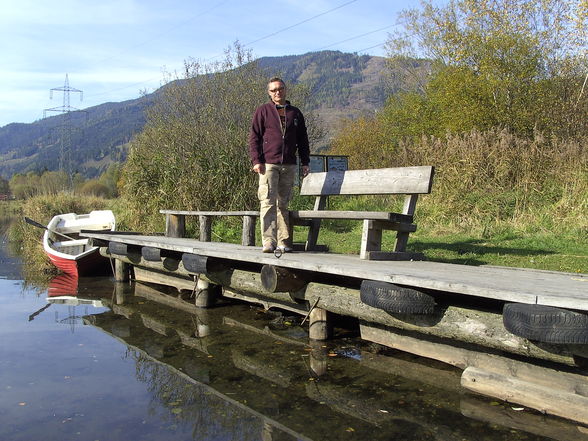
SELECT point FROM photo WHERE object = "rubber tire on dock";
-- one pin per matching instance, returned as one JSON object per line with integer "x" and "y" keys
{"x": 395, "y": 299}
{"x": 545, "y": 324}
{"x": 121, "y": 249}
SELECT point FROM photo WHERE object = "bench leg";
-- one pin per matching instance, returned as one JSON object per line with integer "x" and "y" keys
{"x": 313, "y": 232}
{"x": 175, "y": 225}
{"x": 205, "y": 228}
{"x": 401, "y": 241}
{"x": 371, "y": 239}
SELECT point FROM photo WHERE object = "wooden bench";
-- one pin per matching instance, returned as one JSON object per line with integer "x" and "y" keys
{"x": 175, "y": 223}
{"x": 408, "y": 181}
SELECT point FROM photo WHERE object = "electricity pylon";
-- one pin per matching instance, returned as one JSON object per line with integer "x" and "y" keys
{"x": 65, "y": 150}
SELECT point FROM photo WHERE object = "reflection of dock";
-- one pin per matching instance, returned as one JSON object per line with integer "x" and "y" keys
{"x": 465, "y": 314}
{"x": 248, "y": 378}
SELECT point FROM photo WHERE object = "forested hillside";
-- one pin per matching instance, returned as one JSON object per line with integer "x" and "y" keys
{"x": 340, "y": 86}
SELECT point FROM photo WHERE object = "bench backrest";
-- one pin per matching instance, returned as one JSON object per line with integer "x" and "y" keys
{"x": 400, "y": 180}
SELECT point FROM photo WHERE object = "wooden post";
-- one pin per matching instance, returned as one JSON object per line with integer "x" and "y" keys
{"x": 318, "y": 328}
{"x": 121, "y": 271}
{"x": 205, "y": 228}
{"x": 119, "y": 292}
{"x": 175, "y": 225}
{"x": 205, "y": 296}
{"x": 318, "y": 358}
{"x": 248, "y": 235}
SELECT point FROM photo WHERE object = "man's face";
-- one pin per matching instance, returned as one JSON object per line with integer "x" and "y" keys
{"x": 277, "y": 92}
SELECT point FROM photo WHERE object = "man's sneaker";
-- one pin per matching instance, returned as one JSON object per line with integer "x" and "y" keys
{"x": 268, "y": 248}
{"x": 285, "y": 249}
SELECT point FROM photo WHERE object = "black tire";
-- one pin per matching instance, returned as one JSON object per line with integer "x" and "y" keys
{"x": 118, "y": 248}
{"x": 396, "y": 299}
{"x": 151, "y": 254}
{"x": 195, "y": 263}
{"x": 545, "y": 324}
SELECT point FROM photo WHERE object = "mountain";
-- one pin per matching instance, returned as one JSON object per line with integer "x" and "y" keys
{"x": 342, "y": 85}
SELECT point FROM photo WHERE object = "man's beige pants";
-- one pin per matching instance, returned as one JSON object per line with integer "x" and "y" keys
{"x": 275, "y": 192}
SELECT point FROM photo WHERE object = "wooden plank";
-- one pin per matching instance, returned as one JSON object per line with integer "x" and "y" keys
{"x": 351, "y": 215}
{"x": 400, "y": 180}
{"x": 566, "y": 290}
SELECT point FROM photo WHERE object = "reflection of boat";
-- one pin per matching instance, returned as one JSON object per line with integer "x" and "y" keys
{"x": 70, "y": 253}
{"x": 63, "y": 290}
{"x": 63, "y": 285}
{"x": 74, "y": 301}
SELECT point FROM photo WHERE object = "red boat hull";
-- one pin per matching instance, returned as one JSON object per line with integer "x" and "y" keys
{"x": 88, "y": 265}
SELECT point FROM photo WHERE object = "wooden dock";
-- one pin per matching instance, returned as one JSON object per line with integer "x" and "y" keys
{"x": 550, "y": 288}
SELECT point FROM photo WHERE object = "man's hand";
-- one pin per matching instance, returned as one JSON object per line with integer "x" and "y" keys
{"x": 259, "y": 168}
{"x": 305, "y": 171}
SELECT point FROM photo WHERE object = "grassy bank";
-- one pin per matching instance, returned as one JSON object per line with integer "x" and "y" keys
{"x": 10, "y": 208}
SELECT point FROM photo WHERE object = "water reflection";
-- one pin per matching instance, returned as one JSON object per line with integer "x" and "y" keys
{"x": 227, "y": 373}
{"x": 9, "y": 262}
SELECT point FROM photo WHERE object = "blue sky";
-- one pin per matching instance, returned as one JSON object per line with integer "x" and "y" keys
{"x": 113, "y": 49}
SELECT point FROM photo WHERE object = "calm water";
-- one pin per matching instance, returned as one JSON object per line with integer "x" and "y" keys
{"x": 127, "y": 368}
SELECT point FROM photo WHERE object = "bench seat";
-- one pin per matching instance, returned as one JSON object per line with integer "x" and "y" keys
{"x": 407, "y": 181}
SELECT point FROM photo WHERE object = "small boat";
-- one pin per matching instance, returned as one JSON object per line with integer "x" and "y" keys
{"x": 70, "y": 253}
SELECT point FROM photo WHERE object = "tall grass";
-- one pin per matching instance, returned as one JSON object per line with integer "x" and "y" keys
{"x": 483, "y": 179}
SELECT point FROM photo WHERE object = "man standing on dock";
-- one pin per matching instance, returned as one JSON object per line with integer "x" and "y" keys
{"x": 277, "y": 134}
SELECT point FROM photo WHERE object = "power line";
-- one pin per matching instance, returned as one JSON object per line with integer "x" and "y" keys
{"x": 356, "y": 37}
{"x": 371, "y": 47}
{"x": 298, "y": 24}
{"x": 157, "y": 36}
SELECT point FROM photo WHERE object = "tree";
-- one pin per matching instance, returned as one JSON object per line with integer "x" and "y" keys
{"x": 515, "y": 64}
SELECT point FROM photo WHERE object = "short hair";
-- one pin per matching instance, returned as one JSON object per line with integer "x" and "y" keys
{"x": 276, "y": 80}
